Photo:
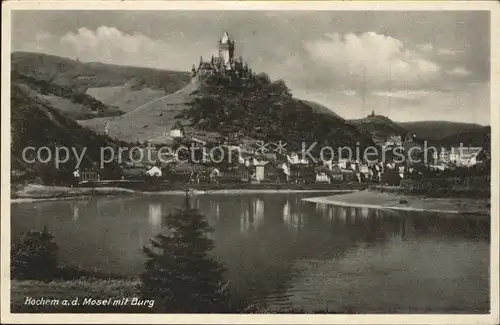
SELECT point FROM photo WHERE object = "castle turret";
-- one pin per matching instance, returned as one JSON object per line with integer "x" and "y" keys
{"x": 226, "y": 49}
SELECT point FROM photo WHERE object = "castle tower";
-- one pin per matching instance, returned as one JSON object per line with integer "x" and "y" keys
{"x": 226, "y": 49}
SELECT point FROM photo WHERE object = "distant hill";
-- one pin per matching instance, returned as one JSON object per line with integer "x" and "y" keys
{"x": 438, "y": 130}
{"x": 35, "y": 123}
{"x": 379, "y": 127}
{"x": 123, "y": 87}
{"x": 475, "y": 137}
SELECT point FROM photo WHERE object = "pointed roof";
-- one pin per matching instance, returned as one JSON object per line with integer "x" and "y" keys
{"x": 225, "y": 38}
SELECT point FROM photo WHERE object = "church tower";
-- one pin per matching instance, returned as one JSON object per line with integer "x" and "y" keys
{"x": 226, "y": 50}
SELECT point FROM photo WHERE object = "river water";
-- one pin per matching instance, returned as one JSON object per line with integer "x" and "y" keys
{"x": 289, "y": 253}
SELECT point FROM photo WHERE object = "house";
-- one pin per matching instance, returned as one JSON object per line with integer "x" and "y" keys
{"x": 154, "y": 172}
{"x": 343, "y": 163}
{"x": 348, "y": 175}
{"x": 366, "y": 172}
{"x": 401, "y": 171}
{"x": 294, "y": 159}
{"x": 393, "y": 141}
{"x": 177, "y": 130}
{"x": 441, "y": 155}
{"x": 267, "y": 171}
{"x": 134, "y": 172}
{"x": 465, "y": 156}
{"x": 323, "y": 175}
{"x": 214, "y": 174}
{"x": 301, "y": 173}
{"x": 336, "y": 174}
{"x": 88, "y": 175}
{"x": 236, "y": 174}
{"x": 260, "y": 170}
{"x": 286, "y": 170}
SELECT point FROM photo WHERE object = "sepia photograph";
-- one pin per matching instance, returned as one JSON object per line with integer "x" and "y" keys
{"x": 249, "y": 159}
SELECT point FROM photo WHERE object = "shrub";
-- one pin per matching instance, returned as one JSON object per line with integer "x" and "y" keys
{"x": 34, "y": 256}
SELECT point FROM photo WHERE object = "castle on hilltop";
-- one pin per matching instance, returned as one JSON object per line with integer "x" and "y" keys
{"x": 225, "y": 65}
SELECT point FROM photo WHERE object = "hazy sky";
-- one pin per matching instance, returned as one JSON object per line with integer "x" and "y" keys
{"x": 405, "y": 65}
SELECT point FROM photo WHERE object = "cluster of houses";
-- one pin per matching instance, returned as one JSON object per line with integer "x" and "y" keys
{"x": 445, "y": 158}
{"x": 252, "y": 167}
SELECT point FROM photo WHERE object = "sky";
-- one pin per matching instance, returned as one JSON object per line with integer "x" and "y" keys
{"x": 407, "y": 65}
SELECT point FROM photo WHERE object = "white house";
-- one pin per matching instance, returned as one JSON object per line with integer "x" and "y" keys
{"x": 343, "y": 163}
{"x": 401, "y": 170}
{"x": 260, "y": 174}
{"x": 465, "y": 156}
{"x": 366, "y": 171}
{"x": 322, "y": 178}
{"x": 177, "y": 130}
{"x": 393, "y": 141}
{"x": 294, "y": 159}
{"x": 154, "y": 172}
{"x": 441, "y": 155}
{"x": 286, "y": 170}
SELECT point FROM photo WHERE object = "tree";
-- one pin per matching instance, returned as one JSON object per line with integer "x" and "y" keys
{"x": 180, "y": 274}
{"x": 34, "y": 257}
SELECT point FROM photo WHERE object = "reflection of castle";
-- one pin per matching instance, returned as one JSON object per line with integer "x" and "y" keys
{"x": 224, "y": 65}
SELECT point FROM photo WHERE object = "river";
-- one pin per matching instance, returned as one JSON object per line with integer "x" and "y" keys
{"x": 289, "y": 253}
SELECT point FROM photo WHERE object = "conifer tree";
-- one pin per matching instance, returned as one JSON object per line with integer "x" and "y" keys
{"x": 180, "y": 274}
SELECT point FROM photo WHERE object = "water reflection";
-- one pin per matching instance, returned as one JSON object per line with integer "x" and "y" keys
{"x": 278, "y": 246}
{"x": 291, "y": 216}
{"x": 155, "y": 216}
{"x": 252, "y": 215}
{"x": 76, "y": 212}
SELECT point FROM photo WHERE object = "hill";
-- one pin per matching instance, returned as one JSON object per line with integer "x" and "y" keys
{"x": 35, "y": 123}
{"x": 259, "y": 110}
{"x": 475, "y": 137}
{"x": 437, "y": 130}
{"x": 148, "y": 121}
{"x": 73, "y": 103}
{"x": 265, "y": 110}
{"x": 123, "y": 87}
{"x": 320, "y": 109}
{"x": 379, "y": 127}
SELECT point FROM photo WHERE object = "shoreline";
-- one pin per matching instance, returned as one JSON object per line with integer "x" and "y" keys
{"x": 36, "y": 193}
{"x": 389, "y": 201}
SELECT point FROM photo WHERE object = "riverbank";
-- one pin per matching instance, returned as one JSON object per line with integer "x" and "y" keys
{"x": 381, "y": 200}
{"x": 34, "y": 192}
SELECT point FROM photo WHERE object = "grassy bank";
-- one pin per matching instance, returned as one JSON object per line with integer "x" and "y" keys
{"x": 397, "y": 201}
{"x": 24, "y": 292}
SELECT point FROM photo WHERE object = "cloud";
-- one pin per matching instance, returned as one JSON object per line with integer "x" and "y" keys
{"x": 372, "y": 58}
{"x": 406, "y": 94}
{"x": 348, "y": 92}
{"x": 459, "y": 72}
{"x": 428, "y": 47}
{"x": 111, "y": 45}
{"x": 446, "y": 52}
